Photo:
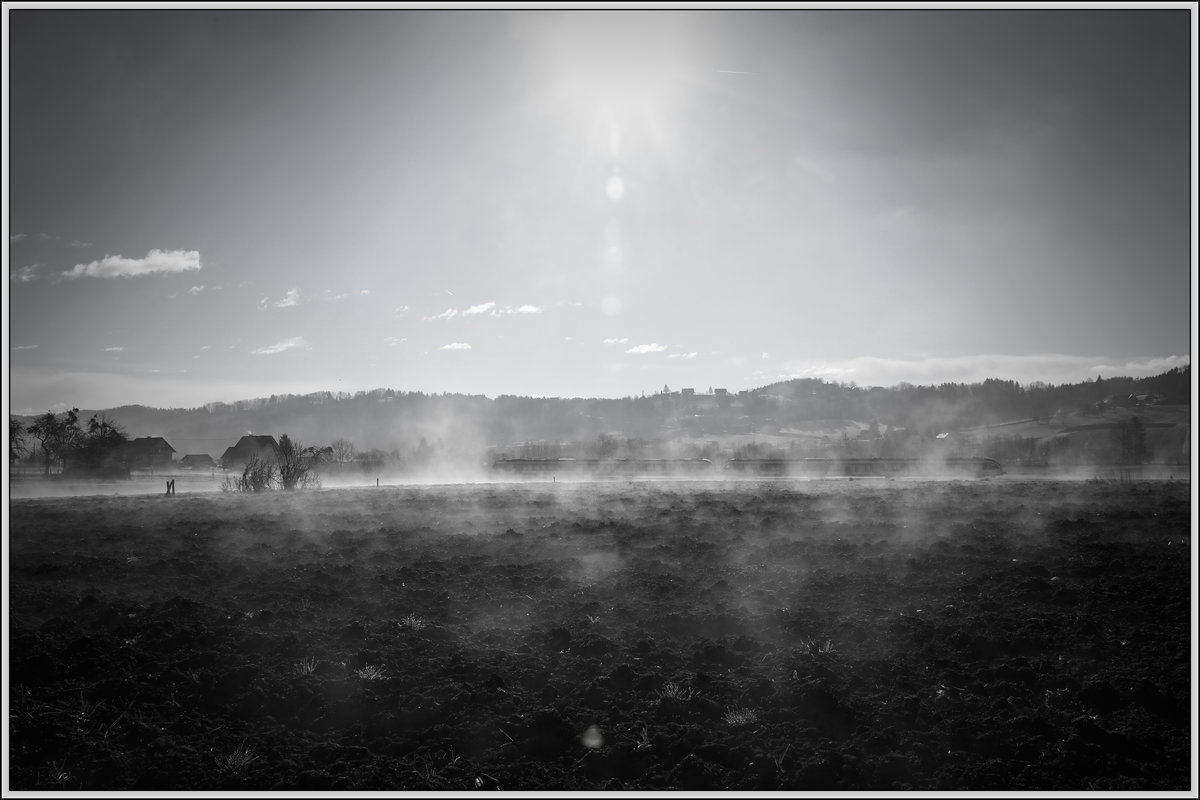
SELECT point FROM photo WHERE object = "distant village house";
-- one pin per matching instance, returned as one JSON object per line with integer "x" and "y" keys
{"x": 247, "y": 448}
{"x": 197, "y": 461}
{"x": 149, "y": 452}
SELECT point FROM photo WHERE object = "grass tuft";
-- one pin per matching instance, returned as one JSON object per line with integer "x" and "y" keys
{"x": 305, "y": 666}
{"x": 235, "y": 762}
{"x": 412, "y": 622}
{"x": 673, "y": 691}
{"x": 371, "y": 672}
{"x": 738, "y": 717}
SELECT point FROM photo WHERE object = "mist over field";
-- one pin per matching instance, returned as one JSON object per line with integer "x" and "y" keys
{"x": 768, "y": 635}
{"x": 397, "y": 437}
{"x": 338, "y": 460}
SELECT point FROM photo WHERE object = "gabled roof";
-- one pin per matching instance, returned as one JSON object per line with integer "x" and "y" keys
{"x": 247, "y": 447}
{"x": 149, "y": 444}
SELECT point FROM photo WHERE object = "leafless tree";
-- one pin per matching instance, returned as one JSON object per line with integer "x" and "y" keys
{"x": 258, "y": 475}
{"x": 343, "y": 452}
{"x": 296, "y": 464}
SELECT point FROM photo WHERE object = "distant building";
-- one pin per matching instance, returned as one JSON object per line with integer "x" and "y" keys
{"x": 149, "y": 452}
{"x": 197, "y": 461}
{"x": 247, "y": 448}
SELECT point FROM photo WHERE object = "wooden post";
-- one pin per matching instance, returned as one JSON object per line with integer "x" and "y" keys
{"x": 171, "y": 488}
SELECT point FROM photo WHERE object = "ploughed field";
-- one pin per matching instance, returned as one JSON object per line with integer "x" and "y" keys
{"x": 841, "y": 634}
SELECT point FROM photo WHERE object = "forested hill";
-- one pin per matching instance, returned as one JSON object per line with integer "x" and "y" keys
{"x": 400, "y": 423}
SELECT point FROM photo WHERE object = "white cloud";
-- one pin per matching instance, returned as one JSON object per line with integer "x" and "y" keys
{"x": 294, "y": 343}
{"x": 16, "y": 237}
{"x": 394, "y": 341}
{"x": 400, "y": 311}
{"x": 766, "y": 356}
{"x": 647, "y": 348}
{"x": 455, "y": 346}
{"x": 490, "y": 308}
{"x": 114, "y": 349}
{"x": 364, "y": 292}
{"x": 292, "y": 298}
{"x": 507, "y": 310}
{"x": 77, "y": 243}
{"x": 25, "y": 347}
{"x": 24, "y": 274}
{"x": 615, "y": 340}
{"x": 682, "y": 355}
{"x": 482, "y": 308}
{"x": 165, "y": 261}
{"x": 196, "y": 289}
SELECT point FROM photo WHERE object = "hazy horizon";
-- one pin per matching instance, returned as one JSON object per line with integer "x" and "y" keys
{"x": 210, "y": 206}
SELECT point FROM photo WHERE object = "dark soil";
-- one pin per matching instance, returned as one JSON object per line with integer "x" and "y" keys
{"x": 823, "y": 635}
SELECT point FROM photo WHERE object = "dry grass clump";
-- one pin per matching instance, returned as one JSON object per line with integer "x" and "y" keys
{"x": 737, "y": 717}
{"x": 412, "y": 622}
{"x": 673, "y": 691}
{"x": 235, "y": 762}
{"x": 305, "y": 666}
{"x": 371, "y": 672}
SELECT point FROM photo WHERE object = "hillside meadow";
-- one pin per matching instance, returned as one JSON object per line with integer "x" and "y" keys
{"x": 754, "y": 635}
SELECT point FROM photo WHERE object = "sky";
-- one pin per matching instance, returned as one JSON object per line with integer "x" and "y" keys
{"x": 213, "y": 204}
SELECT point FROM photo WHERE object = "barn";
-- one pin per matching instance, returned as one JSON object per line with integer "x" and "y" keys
{"x": 149, "y": 452}
{"x": 247, "y": 448}
{"x": 197, "y": 461}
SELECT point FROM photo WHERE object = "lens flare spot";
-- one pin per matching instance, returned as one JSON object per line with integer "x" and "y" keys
{"x": 614, "y": 140}
{"x": 592, "y": 738}
{"x": 614, "y": 257}
{"x": 615, "y": 188}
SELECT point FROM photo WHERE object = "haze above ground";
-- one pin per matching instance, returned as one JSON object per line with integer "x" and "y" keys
{"x": 213, "y": 205}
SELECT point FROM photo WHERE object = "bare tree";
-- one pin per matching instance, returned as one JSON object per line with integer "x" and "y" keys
{"x": 17, "y": 448}
{"x": 58, "y": 437}
{"x": 343, "y": 452}
{"x": 258, "y": 475}
{"x": 296, "y": 464}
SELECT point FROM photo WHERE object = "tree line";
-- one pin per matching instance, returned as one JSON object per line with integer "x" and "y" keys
{"x": 97, "y": 447}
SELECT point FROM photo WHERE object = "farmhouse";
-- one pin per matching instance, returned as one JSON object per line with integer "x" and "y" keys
{"x": 148, "y": 452}
{"x": 247, "y": 448}
{"x": 194, "y": 461}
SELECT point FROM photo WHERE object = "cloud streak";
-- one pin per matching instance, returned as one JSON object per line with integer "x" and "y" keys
{"x": 156, "y": 261}
{"x": 24, "y": 274}
{"x": 482, "y": 308}
{"x": 642, "y": 349}
{"x": 489, "y": 308}
{"x": 292, "y": 298}
{"x": 294, "y": 343}
{"x": 455, "y": 346}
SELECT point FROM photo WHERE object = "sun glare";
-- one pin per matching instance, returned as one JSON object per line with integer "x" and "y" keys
{"x": 615, "y": 188}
